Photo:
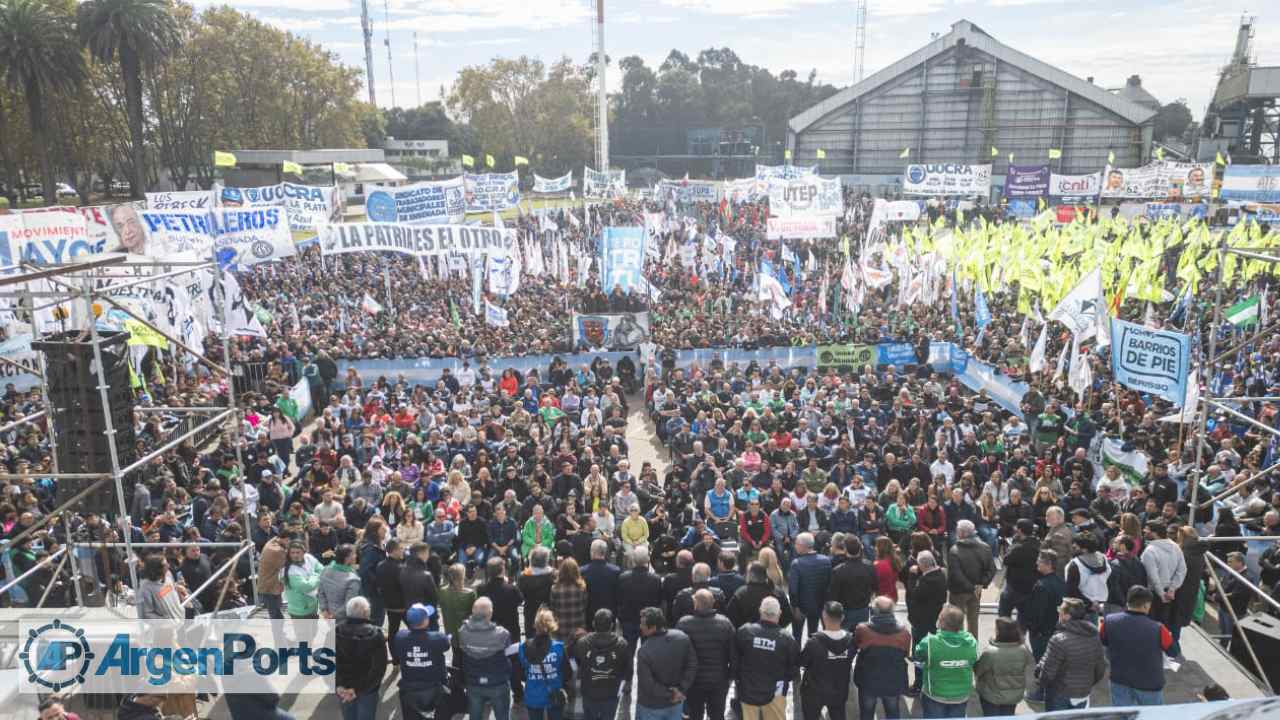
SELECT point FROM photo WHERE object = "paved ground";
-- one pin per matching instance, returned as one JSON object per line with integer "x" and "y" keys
{"x": 1205, "y": 663}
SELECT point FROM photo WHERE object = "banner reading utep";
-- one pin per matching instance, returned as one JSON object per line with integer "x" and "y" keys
{"x": 622, "y": 259}
{"x": 552, "y": 185}
{"x": 947, "y": 179}
{"x": 421, "y": 240}
{"x": 492, "y": 191}
{"x": 610, "y": 331}
{"x": 1025, "y": 181}
{"x": 427, "y": 203}
{"x": 806, "y": 197}
{"x": 1151, "y": 361}
{"x": 847, "y": 355}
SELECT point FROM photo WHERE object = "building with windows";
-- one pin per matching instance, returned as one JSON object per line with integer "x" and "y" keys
{"x": 957, "y": 98}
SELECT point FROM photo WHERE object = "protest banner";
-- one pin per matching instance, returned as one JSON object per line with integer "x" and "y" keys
{"x": 797, "y": 228}
{"x": 494, "y": 315}
{"x": 1159, "y": 180}
{"x": 47, "y": 238}
{"x": 307, "y": 205}
{"x": 1027, "y": 181}
{"x": 552, "y": 185}
{"x": 103, "y": 226}
{"x": 421, "y": 240}
{"x": 746, "y": 189}
{"x": 597, "y": 185}
{"x": 847, "y": 355}
{"x": 169, "y": 232}
{"x": 492, "y": 191}
{"x": 186, "y": 200}
{"x": 503, "y": 273}
{"x": 1188, "y": 180}
{"x": 1151, "y": 361}
{"x": 17, "y": 349}
{"x": 255, "y": 234}
{"x": 807, "y": 197}
{"x": 622, "y": 259}
{"x": 784, "y": 172}
{"x": 610, "y": 331}
{"x": 897, "y": 354}
{"x": 1159, "y": 210}
{"x": 426, "y": 203}
{"x": 1251, "y": 183}
{"x": 1073, "y": 188}
{"x": 947, "y": 179}
{"x": 688, "y": 191}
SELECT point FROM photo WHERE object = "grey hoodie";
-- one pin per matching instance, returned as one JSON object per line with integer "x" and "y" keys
{"x": 1166, "y": 567}
{"x": 337, "y": 586}
{"x": 484, "y": 645}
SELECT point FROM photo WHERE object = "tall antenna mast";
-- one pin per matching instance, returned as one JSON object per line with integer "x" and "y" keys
{"x": 367, "y": 29}
{"x": 391, "y": 69}
{"x": 417, "y": 75}
{"x": 602, "y": 99}
{"x": 860, "y": 41}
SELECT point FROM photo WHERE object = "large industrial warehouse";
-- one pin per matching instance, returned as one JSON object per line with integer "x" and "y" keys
{"x": 954, "y": 100}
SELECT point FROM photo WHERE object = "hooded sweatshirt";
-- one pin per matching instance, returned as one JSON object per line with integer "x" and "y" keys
{"x": 484, "y": 659}
{"x": 948, "y": 659}
{"x": 1087, "y": 575}
{"x": 827, "y": 660}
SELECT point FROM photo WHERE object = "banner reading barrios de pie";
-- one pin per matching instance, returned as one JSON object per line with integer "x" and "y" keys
{"x": 947, "y": 179}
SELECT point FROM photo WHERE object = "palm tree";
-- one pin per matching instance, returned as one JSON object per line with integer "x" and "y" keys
{"x": 137, "y": 33}
{"x": 39, "y": 54}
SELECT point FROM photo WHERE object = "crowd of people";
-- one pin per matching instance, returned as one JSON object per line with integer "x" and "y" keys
{"x": 487, "y": 537}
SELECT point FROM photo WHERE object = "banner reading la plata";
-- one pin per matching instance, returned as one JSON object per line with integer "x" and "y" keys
{"x": 1151, "y": 361}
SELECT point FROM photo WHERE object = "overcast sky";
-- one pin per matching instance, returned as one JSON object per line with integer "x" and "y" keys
{"x": 1176, "y": 46}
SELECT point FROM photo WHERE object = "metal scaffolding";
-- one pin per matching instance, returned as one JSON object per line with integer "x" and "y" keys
{"x": 90, "y": 283}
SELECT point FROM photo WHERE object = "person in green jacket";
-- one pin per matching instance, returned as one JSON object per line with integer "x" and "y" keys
{"x": 948, "y": 657}
{"x": 456, "y": 599}
{"x": 301, "y": 577}
{"x": 537, "y": 530}
{"x": 1002, "y": 670}
{"x": 900, "y": 519}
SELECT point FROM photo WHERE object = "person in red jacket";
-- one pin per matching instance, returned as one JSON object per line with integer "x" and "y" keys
{"x": 931, "y": 520}
{"x": 754, "y": 532}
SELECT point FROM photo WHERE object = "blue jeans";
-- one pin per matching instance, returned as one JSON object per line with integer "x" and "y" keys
{"x": 498, "y": 697}
{"x": 991, "y": 537}
{"x": 1125, "y": 696}
{"x": 546, "y": 713}
{"x": 935, "y": 709}
{"x": 1054, "y": 701}
{"x": 476, "y": 560}
{"x": 867, "y": 706}
{"x": 597, "y": 709}
{"x": 364, "y": 707}
{"x": 671, "y": 712}
{"x": 854, "y": 616}
{"x": 420, "y": 704}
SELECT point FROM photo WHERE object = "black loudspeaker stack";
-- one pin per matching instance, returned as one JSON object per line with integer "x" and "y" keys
{"x": 78, "y": 415}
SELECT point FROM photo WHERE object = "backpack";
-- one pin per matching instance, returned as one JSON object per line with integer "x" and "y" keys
{"x": 601, "y": 674}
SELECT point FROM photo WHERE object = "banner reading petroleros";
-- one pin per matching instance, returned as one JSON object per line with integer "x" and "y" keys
{"x": 847, "y": 355}
{"x": 1152, "y": 361}
{"x": 611, "y": 331}
{"x": 622, "y": 259}
{"x": 552, "y": 185}
{"x": 492, "y": 191}
{"x": 170, "y": 232}
{"x": 806, "y": 197}
{"x": 427, "y": 203}
{"x": 1251, "y": 183}
{"x": 424, "y": 240}
{"x": 176, "y": 657}
{"x": 947, "y": 179}
{"x": 1027, "y": 181}
{"x": 256, "y": 235}
{"x": 798, "y": 228}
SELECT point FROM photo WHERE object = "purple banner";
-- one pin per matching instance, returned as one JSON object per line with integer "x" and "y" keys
{"x": 1027, "y": 181}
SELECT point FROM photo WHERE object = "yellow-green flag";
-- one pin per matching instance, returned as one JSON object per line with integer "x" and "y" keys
{"x": 223, "y": 159}
{"x": 1010, "y": 158}
{"x": 1111, "y": 157}
{"x": 1041, "y": 204}
{"x": 1220, "y": 160}
{"x": 822, "y": 154}
{"x": 289, "y": 167}
{"x": 1159, "y": 153}
{"x": 995, "y": 152}
{"x": 489, "y": 161}
{"x": 468, "y": 161}
{"x": 786, "y": 154}
{"x": 906, "y": 153}
{"x": 342, "y": 168}
{"x": 521, "y": 160}
{"x": 1055, "y": 153}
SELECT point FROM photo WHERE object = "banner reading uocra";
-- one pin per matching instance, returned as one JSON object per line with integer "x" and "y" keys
{"x": 947, "y": 179}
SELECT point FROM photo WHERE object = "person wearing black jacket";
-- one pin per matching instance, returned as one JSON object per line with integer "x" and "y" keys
{"x": 674, "y": 582}
{"x": 969, "y": 570}
{"x": 604, "y": 666}
{"x": 827, "y": 660}
{"x": 744, "y": 606}
{"x": 924, "y": 601}
{"x": 506, "y": 597}
{"x": 361, "y": 659}
{"x": 853, "y": 584}
{"x": 388, "y": 579}
{"x": 535, "y": 583}
{"x": 371, "y": 554}
{"x": 768, "y": 660}
{"x": 638, "y": 588}
{"x": 665, "y": 666}
{"x": 602, "y": 579}
{"x": 473, "y": 540}
{"x": 700, "y": 579}
{"x": 196, "y": 570}
{"x": 712, "y": 636}
{"x": 1126, "y": 571}
{"x": 417, "y": 586}
{"x": 1020, "y": 569}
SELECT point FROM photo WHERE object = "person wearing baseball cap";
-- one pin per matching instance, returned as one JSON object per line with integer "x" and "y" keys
{"x": 420, "y": 654}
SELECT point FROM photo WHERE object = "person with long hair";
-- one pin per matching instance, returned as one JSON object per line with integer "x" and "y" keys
{"x": 546, "y": 667}
{"x": 769, "y": 558}
{"x": 410, "y": 530}
{"x": 301, "y": 577}
{"x": 393, "y": 509}
{"x": 888, "y": 567}
{"x": 1130, "y": 527}
{"x": 1001, "y": 670}
{"x": 569, "y": 601}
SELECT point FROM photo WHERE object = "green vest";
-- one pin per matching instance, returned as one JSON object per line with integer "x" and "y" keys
{"x": 949, "y": 658}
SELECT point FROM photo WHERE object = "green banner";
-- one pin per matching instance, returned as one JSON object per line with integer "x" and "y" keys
{"x": 847, "y": 355}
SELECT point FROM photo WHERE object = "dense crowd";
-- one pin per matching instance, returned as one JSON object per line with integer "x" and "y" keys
{"x": 489, "y": 535}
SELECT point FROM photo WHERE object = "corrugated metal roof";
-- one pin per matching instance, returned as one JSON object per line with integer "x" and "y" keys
{"x": 974, "y": 37}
